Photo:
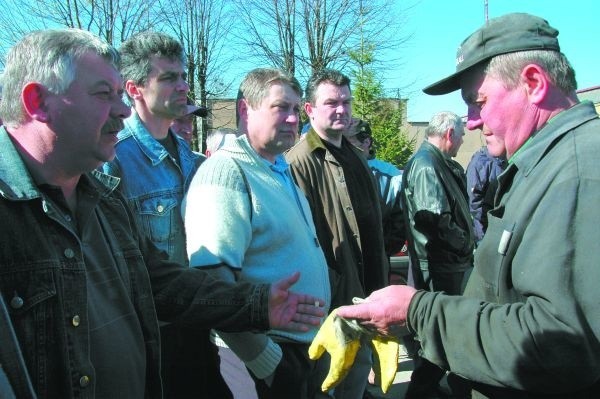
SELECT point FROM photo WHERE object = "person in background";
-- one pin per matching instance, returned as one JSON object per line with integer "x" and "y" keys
{"x": 440, "y": 233}
{"x": 345, "y": 204}
{"x": 244, "y": 213}
{"x": 389, "y": 178}
{"x": 482, "y": 181}
{"x": 183, "y": 126}
{"x": 528, "y": 324}
{"x": 79, "y": 278}
{"x": 219, "y": 138}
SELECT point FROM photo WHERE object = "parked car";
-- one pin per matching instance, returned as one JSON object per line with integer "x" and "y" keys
{"x": 399, "y": 263}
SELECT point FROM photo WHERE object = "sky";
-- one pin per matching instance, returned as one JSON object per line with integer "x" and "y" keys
{"x": 437, "y": 27}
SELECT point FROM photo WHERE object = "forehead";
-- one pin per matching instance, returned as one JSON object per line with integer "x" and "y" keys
{"x": 163, "y": 64}
{"x": 282, "y": 91}
{"x": 92, "y": 69}
{"x": 329, "y": 91}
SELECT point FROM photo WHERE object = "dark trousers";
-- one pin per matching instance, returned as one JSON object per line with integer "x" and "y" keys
{"x": 292, "y": 376}
{"x": 426, "y": 376}
{"x": 190, "y": 365}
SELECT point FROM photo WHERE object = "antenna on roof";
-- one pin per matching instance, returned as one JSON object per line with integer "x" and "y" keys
{"x": 485, "y": 10}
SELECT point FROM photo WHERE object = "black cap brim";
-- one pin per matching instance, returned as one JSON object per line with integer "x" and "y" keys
{"x": 444, "y": 86}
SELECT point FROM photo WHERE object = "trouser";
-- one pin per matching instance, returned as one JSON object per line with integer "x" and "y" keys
{"x": 298, "y": 377}
{"x": 355, "y": 383}
{"x": 236, "y": 375}
{"x": 190, "y": 365}
{"x": 426, "y": 376}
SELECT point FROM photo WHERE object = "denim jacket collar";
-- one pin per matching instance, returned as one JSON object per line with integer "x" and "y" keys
{"x": 149, "y": 146}
{"x": 17, "y": 184}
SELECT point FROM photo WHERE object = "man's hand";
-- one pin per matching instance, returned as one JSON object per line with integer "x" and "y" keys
{"x": 384, "y": 310}
{"x": 291, "y": 311}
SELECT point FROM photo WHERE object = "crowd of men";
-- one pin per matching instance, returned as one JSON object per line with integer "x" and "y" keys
{"x": 132, "y": 266}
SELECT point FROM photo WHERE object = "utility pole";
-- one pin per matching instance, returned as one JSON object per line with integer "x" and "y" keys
{"x": 485, "y": 10}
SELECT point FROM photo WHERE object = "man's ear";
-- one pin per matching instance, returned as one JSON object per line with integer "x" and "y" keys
{"x": 242, "y": 108}
{"x": 308, "y": 108}
{"x": 536, "y": 83}
{"x": 133, "y": 90}
{"x": 34, "y": 97}
{"x": 448, "y": 134}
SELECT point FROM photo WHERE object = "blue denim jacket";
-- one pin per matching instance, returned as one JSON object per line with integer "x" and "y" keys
{"x": 43, "y": 281}
{"x": 154, "y": 185}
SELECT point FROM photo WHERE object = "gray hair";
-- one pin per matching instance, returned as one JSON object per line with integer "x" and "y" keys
{"x": 442, "y": 121}
{"x": 48, "y": 57}
{"x": 508, "y": 67}
{"x": 137, "y": 52}
{"x": 255, "y": 86}
{"x": 219, "y": 137}
{"x": 325, "y": 75}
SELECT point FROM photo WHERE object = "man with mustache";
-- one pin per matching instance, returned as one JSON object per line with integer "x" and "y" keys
{"x": 83, "y": 286}
{"x": 345, "y": 203}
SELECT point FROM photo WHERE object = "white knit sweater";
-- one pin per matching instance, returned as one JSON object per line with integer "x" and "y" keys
{"x": 263, "y": 235}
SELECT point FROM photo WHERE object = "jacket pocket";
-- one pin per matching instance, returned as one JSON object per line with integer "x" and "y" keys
{"x": 156, "y": 218}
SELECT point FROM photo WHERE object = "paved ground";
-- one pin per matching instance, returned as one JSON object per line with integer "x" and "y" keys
{"x": 400, "y": 384}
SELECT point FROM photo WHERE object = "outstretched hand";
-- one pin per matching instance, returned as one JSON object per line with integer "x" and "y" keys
{"x": 291, "y": 311}
{"x": 385, "y": 310}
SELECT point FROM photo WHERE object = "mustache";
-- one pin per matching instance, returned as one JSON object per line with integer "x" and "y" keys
{"x": 115, "y": 125}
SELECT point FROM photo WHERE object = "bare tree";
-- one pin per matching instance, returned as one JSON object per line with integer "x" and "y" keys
{"x": 303, "y": 36}
{"x": 113, "y": 20}
{"x": 202, "y": 26}
{"x": 266, "y": 31}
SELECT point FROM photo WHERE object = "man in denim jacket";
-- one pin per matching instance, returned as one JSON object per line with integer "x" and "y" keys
{"x": 156, "y": 166}
{"x": 83, "y": 286}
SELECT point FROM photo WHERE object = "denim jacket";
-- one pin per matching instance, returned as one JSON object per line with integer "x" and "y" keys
{"x": 154, "y": 184}
{"x": 43, "y": 280}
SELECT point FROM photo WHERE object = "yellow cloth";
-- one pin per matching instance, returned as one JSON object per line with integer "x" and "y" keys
{"x": 342, "y": 339}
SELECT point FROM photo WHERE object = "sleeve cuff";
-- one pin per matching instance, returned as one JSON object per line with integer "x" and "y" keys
{"x": 266, "y": 362}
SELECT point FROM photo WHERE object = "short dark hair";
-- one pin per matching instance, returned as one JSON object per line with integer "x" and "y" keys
{"x": 137, "y": 51}
{"x": 325, "y": 75}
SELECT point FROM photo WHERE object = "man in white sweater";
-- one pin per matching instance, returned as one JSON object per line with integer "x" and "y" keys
{"x": 244, "y": 212}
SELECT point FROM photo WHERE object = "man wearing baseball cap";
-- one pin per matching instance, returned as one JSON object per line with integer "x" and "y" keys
{"x": 528, "y": 324}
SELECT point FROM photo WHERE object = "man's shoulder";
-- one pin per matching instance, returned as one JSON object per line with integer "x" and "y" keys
{"x": 300, "y": 149}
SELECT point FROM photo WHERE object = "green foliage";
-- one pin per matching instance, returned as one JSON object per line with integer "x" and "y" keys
{"x": 385, "y": 115}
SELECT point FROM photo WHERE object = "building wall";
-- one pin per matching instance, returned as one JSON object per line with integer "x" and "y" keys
{"x": 473, "y": 141}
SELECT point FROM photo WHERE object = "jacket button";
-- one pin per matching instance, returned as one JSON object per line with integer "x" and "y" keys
{"x": 160, "y": 208}
{"x": 16, "y": 302}
{"x": 69, "y": 253}
{"x": 84, "y": 381}
{"x": 76, "y": 320}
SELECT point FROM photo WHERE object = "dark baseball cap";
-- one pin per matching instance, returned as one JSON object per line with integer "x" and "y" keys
{"x": 197, "y": 110}
{"x": 506, "y": 34}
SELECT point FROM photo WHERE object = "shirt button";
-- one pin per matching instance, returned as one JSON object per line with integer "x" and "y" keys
{"x": 16, "y": 302}
{"x": 160, "y": 208}
{"x": 69, "y": 254}
{"x": 84, "y": 381}
{"x": 76, "y": 320}
{"x": 68, "y": 218}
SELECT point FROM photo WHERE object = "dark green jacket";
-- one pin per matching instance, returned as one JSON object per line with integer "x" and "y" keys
{"x": 439, "y": 224}
{"x": 529, "y": 325}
